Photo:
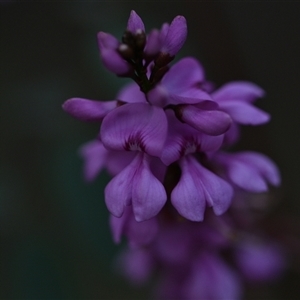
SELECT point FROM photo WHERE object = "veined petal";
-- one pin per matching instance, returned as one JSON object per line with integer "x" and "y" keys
{"x": 148, "y": 193}
{"x": 218, "y": 193}
{"x": 176, "y": 36}
{"x": 131, "y": 93}
{"x": 94, "y": 155}
{"x": 188, "y": 195}
{"x": 135, "y": 23}
{"x": 135, "y": 126}
{"x": 212, "y": 122}
{"x": 88, "y": 110}
{"x": 118, "y": 192}
{"x": 238, "y": 90}
{"x": 244, "y": 113}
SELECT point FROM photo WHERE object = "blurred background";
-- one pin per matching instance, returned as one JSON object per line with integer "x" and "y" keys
{"x": 55, "y": 241}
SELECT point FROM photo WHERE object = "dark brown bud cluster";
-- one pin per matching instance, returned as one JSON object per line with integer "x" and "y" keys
{"x": 132, "y": 50}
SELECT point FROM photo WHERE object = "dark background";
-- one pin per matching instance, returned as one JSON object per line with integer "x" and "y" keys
{"x": 54, "y": 236}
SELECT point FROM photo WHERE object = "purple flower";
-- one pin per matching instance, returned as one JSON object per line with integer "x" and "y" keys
{"x": 250, "y": 171}
{"x": 160, "y": 139}
{"x": 135, "y": 127}
{"x": 137, "y": 186}
{"x": 197, "y": 188}
{"x": 179, "y": 89}
{"x": 236, "y": 98}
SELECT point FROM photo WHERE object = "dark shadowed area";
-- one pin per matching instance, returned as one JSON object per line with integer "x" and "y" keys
{"x": 55, "y": 240}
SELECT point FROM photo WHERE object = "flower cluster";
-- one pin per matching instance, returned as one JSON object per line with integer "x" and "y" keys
{"x": 162, "y": 139}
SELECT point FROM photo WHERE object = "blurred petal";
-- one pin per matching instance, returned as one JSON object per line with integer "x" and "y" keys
{"x": 131, "y": 93}
{"x": 238, "y": 90}
{"x": 264, "y": 165}
{"x": 211, "y": 278}
{"x": 114, "y": 62}
{"x": 153, "y": 43}
{"x": 244, "y": 113}
{"x": 88, "y": 110}
{"x": 107, "y": 41}
{"x": 94, "y": 155}
{"x": 260, "y": 261}
{"x": 249, "y": 170}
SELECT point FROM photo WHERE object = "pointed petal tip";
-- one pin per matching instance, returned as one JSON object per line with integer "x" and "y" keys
{"x": 135, "y": 22}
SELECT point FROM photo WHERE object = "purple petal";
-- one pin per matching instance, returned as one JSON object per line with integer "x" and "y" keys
{"x": 114, "y": 62}
{"x": 117, "y": 225}
{"x": 250, "y": 170}
{"x": 245, "y": 113}
{"x": 212, "y": 122}
{"x": 183, "y": 139}
{"x": 211, "y": 278}
{"x": 218, "y": 193}
{"x": 161, "y": 96}
{"x": 135, "y": 23}
{"x": 141, "y": 233}
{"x": 135, "y": 126}
{"x": 148, "y": 194}
{"x": 94, "y": 155}
{"x": 264, "y": 165}
{"x": 232, "y": 135}
{"x": 153, "y": 44}
{"x": 107, "y": 41}
{"x": 238, "y": 90}
{"x": 183, "y": 75}
{"x": 176, "y": 36}
{"x": 136, "y": 265}
{"x": 118, "y": 192}
{"x": 138, "y": 233}
{"x": 188, "y": 196}
{"x": 131, "y": 93}
{"x": 118, "y": 160}
{"x": 260, "y": 261}
{"x": 88, "y": 110}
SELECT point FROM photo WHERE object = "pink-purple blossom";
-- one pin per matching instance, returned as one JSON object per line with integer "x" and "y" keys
{"x": 174, "y": 188}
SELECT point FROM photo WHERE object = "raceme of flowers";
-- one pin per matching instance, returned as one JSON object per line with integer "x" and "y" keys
{"x": 174, "y": 187}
